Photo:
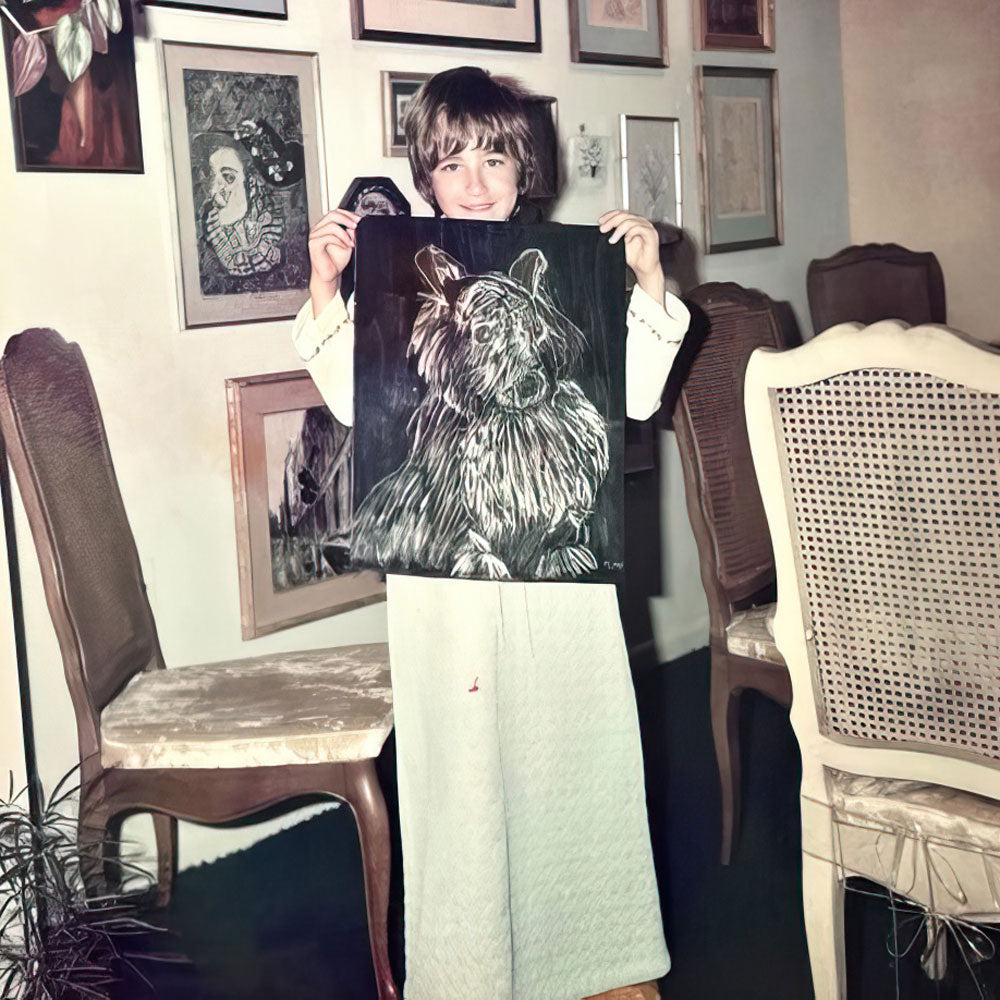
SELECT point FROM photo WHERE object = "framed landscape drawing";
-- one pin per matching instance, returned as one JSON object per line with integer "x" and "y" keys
{"x": 651, "y": 167}
{"x": 248, "y": 8}
{"x": 622, "y": 32}
{"x": 484, "y": 24}
{"x": 244, "y": 136}
{"x": 291, "y": 464}
{"x": 489, "y": 402}
{"x": 71, "y": 76}
{"x": 735, "y": 24}
{"x": 740, "y": 157}
{"x": 397, "y": 91}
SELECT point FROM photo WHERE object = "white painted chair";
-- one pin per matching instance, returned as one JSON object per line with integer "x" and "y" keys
{"x": 876, "y": 449}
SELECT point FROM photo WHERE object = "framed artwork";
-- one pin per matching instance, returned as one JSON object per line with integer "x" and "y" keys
{"x": 740, "y": 158}
{"x": 735, "y": 24}
{"x": 291, "y": 463}
{"x": 374, "y": 196}
{"x": 244, "y": 138}
{"x": 277, "y": 9}
{"x": 397, "y": 91}
{"x": 622, "y": 32}
{"x": 589, "y": 156}
{"x": 651, "y": 167}
{"x": 489, "y": 402}
{"x": 543, "y": 123}
{"x": 482, "y": 24}
{"x": 71, "y": 76}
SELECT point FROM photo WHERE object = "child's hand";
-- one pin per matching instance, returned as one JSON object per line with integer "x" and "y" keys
{"x": 331, "y": 244}
{"x": 642, "y": 249}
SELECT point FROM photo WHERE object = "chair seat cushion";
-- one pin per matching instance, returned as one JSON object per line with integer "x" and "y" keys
{"x": 316, "y": 706}
{"x": 751, "y": 633}
{"x": 939, "y": 846}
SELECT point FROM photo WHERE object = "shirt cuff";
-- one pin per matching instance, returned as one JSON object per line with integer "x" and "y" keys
{"x": 310, "y": 334}
{"x": 667, "y": 322}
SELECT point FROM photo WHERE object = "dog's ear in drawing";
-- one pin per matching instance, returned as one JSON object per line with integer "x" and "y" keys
{"x": 528, "y": 269}
{"x": 439, "y": 270}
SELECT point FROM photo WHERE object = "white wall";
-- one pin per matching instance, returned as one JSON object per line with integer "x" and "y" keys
{"x": 91, "y": 255}
{"x": 923, "y": 140}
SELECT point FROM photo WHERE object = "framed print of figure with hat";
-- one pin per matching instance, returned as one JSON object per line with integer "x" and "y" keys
{"x": 244, "y": 139}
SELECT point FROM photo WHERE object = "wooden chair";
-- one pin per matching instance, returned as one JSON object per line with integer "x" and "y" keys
{"x": 737, "y": 569}
{"x": 210, "y": 743}
{"x": 875, "y": 281}
{"x": 876, "y": 450}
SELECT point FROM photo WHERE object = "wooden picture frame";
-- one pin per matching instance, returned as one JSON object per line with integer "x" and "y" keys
{"x": 651, "y": 167}
{"x": 50, "y": 132}
{"x": 734, "y": 24}
{"x": 274, "y": 9}
{"x": 515, "y": 25}
{"x": 292, "y": 563}
{"x": 623, "y": 34}
{"x": 244, "y": 124}
{"x": 739, "y": 152}
{"x": 397, "y": 91}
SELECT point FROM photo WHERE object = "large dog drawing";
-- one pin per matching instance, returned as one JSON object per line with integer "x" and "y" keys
{"x": 507, "y": 453}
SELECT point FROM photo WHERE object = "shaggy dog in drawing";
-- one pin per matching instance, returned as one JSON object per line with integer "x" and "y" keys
{"x": 507, "y": 453}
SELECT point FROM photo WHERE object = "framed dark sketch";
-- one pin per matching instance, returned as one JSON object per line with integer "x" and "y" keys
{"x": 397, "y": 92}
{"x": 375, "y": 196}
{"x": 623, "y": 32}
{"x": 651, "y": 167}
{"x": 291, "y": 462}
{"x": 277, "y": 9}
{"x": 543, "y": 123}
{"x": 735, "y": 24}
{"x": 484, "y": 24}
{"x": 740, "y": 158}
{"x": 71, "y": 76}
{"x": 244, "y": 139}
{"x": 489, "y": 400}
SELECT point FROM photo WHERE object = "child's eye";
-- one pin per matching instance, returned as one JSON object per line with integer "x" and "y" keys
{"x": 448, "y": 166}
{"x": 495, "y": 161}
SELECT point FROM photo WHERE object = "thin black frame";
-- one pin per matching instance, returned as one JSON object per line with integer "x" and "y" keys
{"x": 361, "y": 33}
{"x": 207, "y": 8}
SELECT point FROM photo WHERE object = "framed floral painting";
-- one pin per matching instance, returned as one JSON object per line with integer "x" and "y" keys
{"x": 71, "y": 74}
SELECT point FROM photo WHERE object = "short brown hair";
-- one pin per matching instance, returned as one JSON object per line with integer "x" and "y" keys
{"x": 462, "y": 107}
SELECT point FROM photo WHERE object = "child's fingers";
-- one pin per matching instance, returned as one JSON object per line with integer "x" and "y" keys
{"x": 340, "y": 239}
{"x": 610, "y": 219}
{"x": 341, "y": 217}
{"x": 332, "y": 230}
{"x": 631, "y": 226}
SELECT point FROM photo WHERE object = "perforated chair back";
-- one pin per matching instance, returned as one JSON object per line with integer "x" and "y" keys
{"x": 873, "y": 282}
{"x": 877, "y": 451}
{"x": 57, "y": 444}
{"x": 722, "y": 496}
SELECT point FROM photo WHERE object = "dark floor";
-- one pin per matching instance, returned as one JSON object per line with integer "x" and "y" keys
{"x": 285, "y": 919}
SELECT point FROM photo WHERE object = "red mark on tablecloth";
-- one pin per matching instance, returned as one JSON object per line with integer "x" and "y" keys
{"x": 475, "y": 685}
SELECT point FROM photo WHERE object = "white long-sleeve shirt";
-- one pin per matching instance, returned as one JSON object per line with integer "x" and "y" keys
{"x": 655, "y": 332}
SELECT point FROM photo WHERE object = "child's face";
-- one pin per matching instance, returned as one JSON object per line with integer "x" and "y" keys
{"x": 476, "y": 183}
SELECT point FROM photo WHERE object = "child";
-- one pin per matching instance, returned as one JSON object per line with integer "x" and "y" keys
{"x": 527, "y": 867}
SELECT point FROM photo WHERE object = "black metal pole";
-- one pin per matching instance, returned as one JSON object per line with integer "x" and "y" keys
{"x": 35, "y": 807}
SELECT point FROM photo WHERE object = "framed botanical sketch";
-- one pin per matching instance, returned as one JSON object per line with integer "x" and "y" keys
{"x": 248, "y": 8}
{"x": 397, "y": 92}
{"x": 292, "y": 462}
{"x": 244, "y": 136}
{"x": 740, "y": 157}
{"x": 483, "y": 24}
{"x": 623, "y": 32}
{"x": 651, "y": 167}
{"x": 71, "y": 75}
{"x": 735, "y": 24}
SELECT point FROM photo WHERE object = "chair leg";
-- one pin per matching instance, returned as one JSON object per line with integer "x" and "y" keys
{"x": 165, "y": 829}
{"x": 725, "y": 707}
{"x": 94, "y": 829}
{"x": 364, "y": 795}
{"x": 823, "y": 903}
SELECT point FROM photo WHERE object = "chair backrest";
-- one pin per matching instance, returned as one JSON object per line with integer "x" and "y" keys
{"x": 877, "y": 453}
{"x": 722, "y": 497}
{"x": 876, "y": 281}
{"x": 55, "y": 438}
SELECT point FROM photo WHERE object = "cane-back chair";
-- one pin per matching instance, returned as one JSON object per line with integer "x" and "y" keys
{"x": 737, "y": 568}
{"x": 877, "y": 454}
{"x": 210, "y": 743}
{"x": 875, "y": 281}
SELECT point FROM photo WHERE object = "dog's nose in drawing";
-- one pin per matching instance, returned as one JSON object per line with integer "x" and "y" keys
{"x": 527, "y": 391}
